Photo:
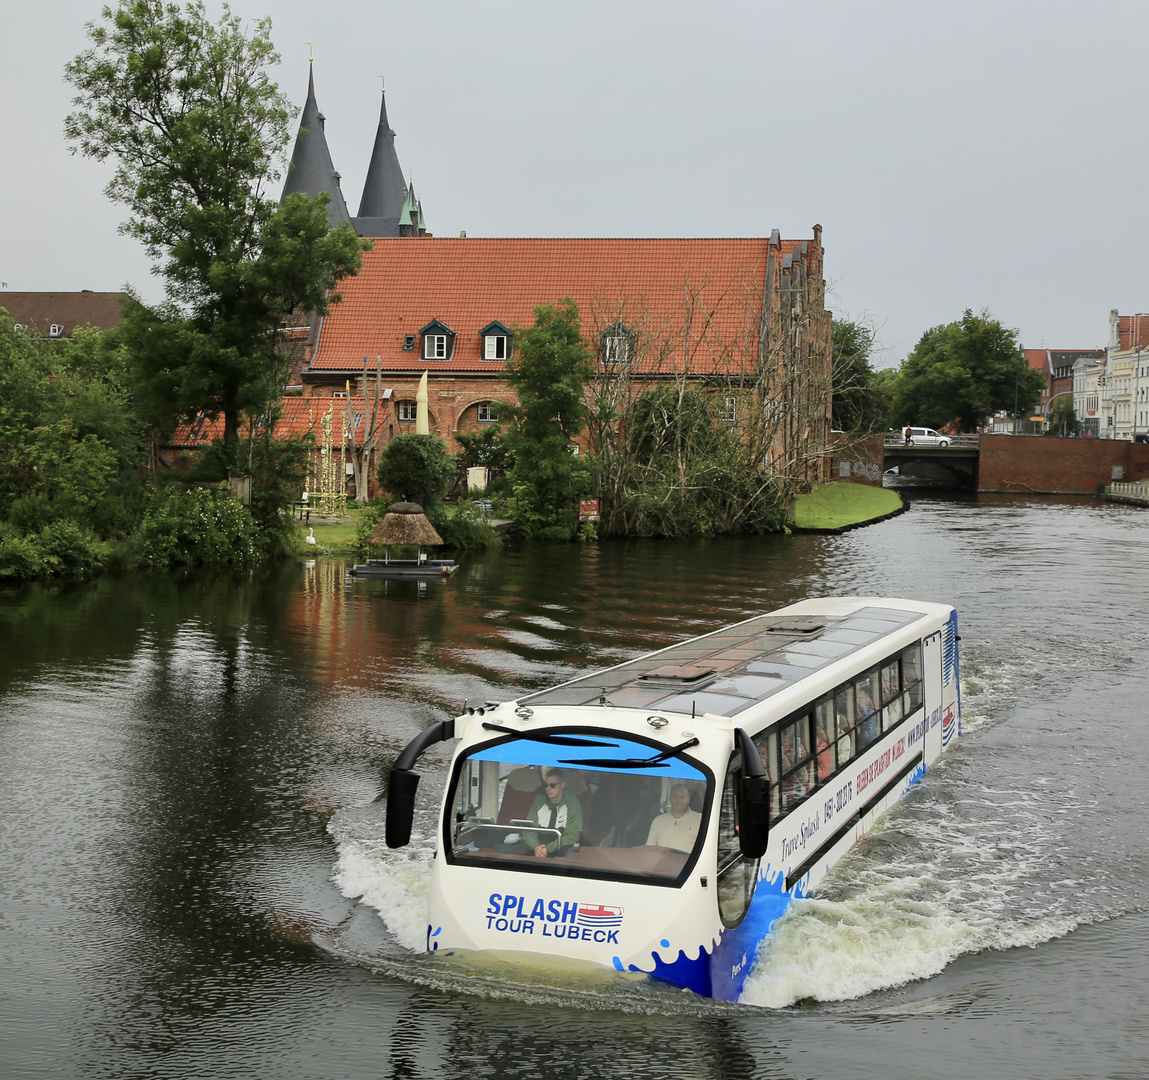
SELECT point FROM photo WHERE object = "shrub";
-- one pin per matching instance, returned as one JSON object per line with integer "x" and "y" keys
{"x": 466, "y": 529}
{"x": 196, "y": 527}
{"x": 61, "y": 548}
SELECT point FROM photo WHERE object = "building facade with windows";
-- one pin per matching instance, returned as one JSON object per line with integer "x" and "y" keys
{"x": 1124, "y": 386}
{"x": 744, "y": 320}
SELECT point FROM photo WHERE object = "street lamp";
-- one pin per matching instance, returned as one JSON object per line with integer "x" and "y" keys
{"x": 1060, "y": 393}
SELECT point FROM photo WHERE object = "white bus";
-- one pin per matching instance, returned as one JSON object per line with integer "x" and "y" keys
{"x": 660, "y": 815}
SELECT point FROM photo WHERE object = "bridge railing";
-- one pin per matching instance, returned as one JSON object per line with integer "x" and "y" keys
{"x": 956, "y": 442}
{"x": 1137, "y": 491}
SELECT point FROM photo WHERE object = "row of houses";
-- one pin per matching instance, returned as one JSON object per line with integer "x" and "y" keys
{"x": 1109, "y": 387}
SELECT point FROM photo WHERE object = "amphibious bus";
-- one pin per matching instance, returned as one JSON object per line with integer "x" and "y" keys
{"x": 660, "y": 815}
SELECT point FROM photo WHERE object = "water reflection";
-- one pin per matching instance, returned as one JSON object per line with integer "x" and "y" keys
{"x": 174, "y": 751}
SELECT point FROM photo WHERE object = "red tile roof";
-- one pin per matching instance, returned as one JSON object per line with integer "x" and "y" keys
{"x": 1038, "y": 359}
{"x": 656, "y": 287}
{"x": 299, "y": 416}
{"x": 1133, "y": 331}
{"x": 41, "y": 310}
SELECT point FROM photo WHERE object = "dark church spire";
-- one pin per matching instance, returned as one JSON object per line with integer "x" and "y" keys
{"x": 383, "y": 192}
{"x": 311, "y": 171}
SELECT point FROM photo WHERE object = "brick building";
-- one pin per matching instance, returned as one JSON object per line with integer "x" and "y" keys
{"x": 59, "y": 314}
{"x": 743, "y": 319}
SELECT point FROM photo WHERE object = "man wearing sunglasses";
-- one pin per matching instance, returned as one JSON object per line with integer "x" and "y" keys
{"x": 553, "y": 808}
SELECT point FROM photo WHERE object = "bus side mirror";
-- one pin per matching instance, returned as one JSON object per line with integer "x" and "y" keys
{"x": 754, "y": 816}
{"x": 404, "y": 782}
{"x": 753, "y": 801}
{"x": 401, "y": 790}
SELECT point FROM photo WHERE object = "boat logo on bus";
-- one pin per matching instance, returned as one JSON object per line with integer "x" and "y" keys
{"x": 513, "y": 914}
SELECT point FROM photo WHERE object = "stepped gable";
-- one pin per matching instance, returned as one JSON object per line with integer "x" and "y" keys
{"x": 703, "y": 296}
{"x": 311, "y": 171}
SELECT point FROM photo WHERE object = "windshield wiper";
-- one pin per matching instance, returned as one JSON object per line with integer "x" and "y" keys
{"x": 554, "y": 740}
{"x": 658, "y": 761}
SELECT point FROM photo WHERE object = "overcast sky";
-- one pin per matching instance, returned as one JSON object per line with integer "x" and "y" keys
{"x": 970, "y": 154}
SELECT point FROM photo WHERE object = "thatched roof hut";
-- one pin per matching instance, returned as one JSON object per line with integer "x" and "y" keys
{"x": 405, "y": 524}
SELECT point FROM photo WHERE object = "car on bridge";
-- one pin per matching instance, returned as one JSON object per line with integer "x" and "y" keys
{"x": 925, "y": 436}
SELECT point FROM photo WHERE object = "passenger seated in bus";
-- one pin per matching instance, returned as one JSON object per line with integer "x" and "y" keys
{"x": 677, "y": 829}
{"x": 825, "y": 756}
{"x": 867, "y": 717}
{"x": 553, "y": 808}
{"x": 797, "y": 783}
{"x": 845, "y": 743}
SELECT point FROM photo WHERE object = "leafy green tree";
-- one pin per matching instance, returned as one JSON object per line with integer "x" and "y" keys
{"x": 549, "y": 372}
{"x": 187, "y": 109}
{"x": 69, "y": 448}
{"x": 859, "y": 405}
{"x": 416, "y": 468}
{"x": 1063, "y": 418}
{"x": 963, "y": 373}
{"x": 671, "y": 424}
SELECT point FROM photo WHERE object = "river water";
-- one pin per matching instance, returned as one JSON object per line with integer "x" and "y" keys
{"x": 195, "y": 884}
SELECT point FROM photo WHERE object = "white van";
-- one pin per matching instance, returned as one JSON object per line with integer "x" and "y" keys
{"x": 925, "y": 436}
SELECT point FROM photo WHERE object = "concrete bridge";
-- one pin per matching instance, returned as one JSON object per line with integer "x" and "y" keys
{"x": 959, "y": 459}
{"x": 1023, "y": 463}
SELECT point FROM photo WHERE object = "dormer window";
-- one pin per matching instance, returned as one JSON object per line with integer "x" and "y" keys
{"x": 438, "y": 341}
{"x": 496, "y": 341}
{"x": 617, "y": 344}
{"x": 56, "y": 330}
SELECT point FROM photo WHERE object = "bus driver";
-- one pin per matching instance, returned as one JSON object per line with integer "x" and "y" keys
{"x": 553, "y": 808}
{"x": 678, "y": 828}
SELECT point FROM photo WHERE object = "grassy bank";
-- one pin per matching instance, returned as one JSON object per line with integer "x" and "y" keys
{"x": 840, "y": 505}
{"x": 333, "y": 536}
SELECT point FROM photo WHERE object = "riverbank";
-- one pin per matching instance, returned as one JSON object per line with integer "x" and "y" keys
{"x": 840, "y": 506}
{"x": 333, "y": 535}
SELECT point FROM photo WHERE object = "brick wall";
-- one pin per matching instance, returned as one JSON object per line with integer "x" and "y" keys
{"x": 1047, "y": 465}
{"x": 858, "y": 460}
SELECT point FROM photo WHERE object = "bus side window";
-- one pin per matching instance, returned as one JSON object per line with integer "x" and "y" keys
{"x": 891, "y": 696}
{"x": 912, "y": 676}
{"x": 767, "y": 745}
{"x": 737, "y": 875}
{"x": 844, "y": 721}
{"x": 866, "y": 711}
{"x": 824, "y": 739}
{"x": 797, "y": 762}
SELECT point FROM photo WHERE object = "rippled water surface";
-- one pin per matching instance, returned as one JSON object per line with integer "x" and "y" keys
{"x": 195, "y": 884}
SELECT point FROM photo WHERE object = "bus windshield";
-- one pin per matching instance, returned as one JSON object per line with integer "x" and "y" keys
{"x": 606, "y": 806}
